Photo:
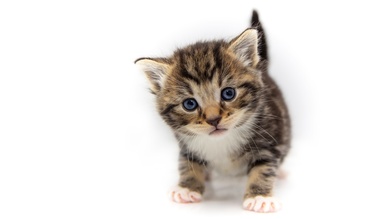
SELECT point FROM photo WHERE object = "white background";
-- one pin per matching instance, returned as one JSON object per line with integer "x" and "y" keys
{"x": 79, "y": 136}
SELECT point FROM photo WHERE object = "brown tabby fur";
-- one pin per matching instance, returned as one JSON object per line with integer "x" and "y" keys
{"x": 258, "y": 112}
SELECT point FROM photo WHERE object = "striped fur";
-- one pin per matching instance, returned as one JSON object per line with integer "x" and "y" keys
{"x": 257, "y": 136}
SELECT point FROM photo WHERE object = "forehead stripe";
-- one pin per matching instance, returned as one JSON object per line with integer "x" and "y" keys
{"x": 211, "y": 71}
{"x": 184, "y": 72}
{"x": 217, "y": 56}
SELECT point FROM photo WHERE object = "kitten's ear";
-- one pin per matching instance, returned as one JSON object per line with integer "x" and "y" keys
{"x": 245, "y": 47}
{"x": 155, "y": 70}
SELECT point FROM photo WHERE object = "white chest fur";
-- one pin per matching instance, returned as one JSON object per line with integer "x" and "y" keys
{"x": 219, "y": 152}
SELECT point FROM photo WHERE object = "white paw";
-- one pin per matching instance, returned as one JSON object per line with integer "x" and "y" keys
{"x": 184, "y": 195}
{"x": 262, "y": 204}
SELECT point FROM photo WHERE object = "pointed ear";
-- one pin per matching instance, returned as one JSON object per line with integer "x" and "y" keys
{"x": 245, "y": 47}
{"x": 155, "y": 70}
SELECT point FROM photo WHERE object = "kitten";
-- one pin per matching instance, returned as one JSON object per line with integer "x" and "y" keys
{"x": 226, "y": 112}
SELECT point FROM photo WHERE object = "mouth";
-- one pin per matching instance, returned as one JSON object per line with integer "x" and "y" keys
{"x": 217, "y": 132}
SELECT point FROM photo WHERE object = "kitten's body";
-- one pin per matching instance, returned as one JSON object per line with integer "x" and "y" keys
{"x": 246, "y": 130}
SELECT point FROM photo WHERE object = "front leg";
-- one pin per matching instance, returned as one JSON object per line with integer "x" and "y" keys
{"x": 192, "y": 178}
{"x": 258, "y": 195}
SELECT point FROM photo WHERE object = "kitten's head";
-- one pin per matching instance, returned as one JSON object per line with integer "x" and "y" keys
{"x": 208, "y": 88}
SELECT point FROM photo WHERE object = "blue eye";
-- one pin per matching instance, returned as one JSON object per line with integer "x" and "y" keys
{"x": 190, "y": 104}
{"x": 228, "y": 93}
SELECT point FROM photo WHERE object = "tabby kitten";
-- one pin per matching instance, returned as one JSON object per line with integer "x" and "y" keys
{"x": 226, "y": 112}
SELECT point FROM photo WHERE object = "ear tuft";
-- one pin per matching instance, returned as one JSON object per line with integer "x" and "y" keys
{"x": 155, "y": 70}
{"x": 245, "y": 47}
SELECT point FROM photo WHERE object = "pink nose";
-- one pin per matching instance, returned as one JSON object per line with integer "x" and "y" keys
{"x": 214, "y": 121}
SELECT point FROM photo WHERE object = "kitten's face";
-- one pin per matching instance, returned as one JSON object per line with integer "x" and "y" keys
{"x": 208, "y": 88}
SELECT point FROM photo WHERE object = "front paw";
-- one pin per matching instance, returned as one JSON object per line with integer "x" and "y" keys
{"x": 184, "y": 195}
{"x": 262, "y": 204}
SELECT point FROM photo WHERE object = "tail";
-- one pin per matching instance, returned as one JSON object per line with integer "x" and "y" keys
{"x": 255, "y": 22}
